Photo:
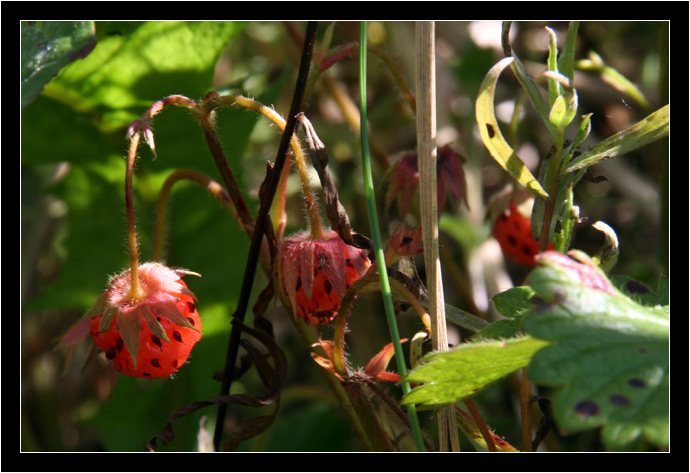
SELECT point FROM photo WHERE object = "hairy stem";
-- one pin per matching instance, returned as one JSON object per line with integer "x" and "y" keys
{"x": 309, "y": 198}
{"x": 221, "y": 162}
{"x": 134, "y": 288}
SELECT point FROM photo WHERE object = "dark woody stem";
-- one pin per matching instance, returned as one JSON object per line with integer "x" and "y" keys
{"x": 260, "y": 227}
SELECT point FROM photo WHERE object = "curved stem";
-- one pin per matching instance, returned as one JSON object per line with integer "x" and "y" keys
{"x": 483, "y": 428}
{"x": 259, "y": 229}
{"x": 221, "y": 162}
{"x": 268, "y": 112}
{"x": 134, "y": 288}
{"x": 308, "y": 335}
{"x": 216, "y": 190}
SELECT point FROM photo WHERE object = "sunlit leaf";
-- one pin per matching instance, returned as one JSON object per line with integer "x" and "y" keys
{"x": 609, "y": 354}
{"x": 493, "y": 138}
{"x": 647, "y": 130}
{"x": 452, "y": 375}
{"x": 47, "y": 47}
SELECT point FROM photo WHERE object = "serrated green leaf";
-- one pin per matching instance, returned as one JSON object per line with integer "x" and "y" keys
{"x": 610, "y": 355}
{"x": 492, "y": 137}
{"x": 647, "y": 130}
{"x": 515, "y": 301}
{"x": 512, "y": 304}
{"x": 452, "y": 375}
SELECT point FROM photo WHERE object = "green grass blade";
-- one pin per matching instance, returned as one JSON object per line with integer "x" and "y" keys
{"x": 376, "y": 235}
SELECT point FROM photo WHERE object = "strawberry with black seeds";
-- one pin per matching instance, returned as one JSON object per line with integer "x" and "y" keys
{"x": 513, "y": 232}
{"x": 152, "y": 335}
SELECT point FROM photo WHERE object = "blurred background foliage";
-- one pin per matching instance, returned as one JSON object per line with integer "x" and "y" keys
{"x": 73, "y": 230}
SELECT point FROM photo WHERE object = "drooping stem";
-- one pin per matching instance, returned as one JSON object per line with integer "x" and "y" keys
{"x": 134, "y": 288}
{"x": 216, "y": 190}
{"x": 259, "y": 229}
{"x": 222, "y": 164}
{"x": 192, "y": 175}
{"x": 369, "y": 282}
{"x": 310, "y": 200}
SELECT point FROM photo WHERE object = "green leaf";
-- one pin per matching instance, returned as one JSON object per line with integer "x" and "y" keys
{"x": 648, "y": 130}
{"x": 452, "y": 375}
{"x": 558, "y": 112}
{"x": 609, "y": 354}
{"x": 552, "y": 62}
{"x": 566, "y": 60}
{"x": 136, "y": 64}
{"x": 92, "y": 189}
{"x": 47, "y": 47}
{"x": 512, "y": 304}
{"x": 493, "y": 138}
{"x": 614, "y": 78}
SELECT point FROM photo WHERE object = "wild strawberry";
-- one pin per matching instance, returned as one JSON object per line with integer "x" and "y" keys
{"x": 152, "y": 335}
{"x": 513, "y": 232}
{"x": 315, "y": 274}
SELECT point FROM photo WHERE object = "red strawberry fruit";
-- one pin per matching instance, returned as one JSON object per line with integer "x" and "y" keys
{"x": 150, "y": 336}
{"x": 513, "y": 232}
{"x": 315, "y": 274}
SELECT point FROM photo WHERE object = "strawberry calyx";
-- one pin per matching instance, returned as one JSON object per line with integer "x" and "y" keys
{"x": 163, "y": 301}
{"x": 314, "y": 274}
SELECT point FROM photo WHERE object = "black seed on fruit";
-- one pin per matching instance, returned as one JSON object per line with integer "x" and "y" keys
{"x": 190, "y": 306}
{"x": 119, "y": 344}
{"x": 512, "y": 240}
{"x": 155, "y": 363}
{"x": 587, "y": 408}
{"x": 527, "y": 250}
{"x": 191, "y": 321}
{"x": 156, "y": 340}
{"x": 324, "y": 314}
{"x": 299, "y": 284}
{"x": 636, "y": 383}
{"x": 636, "y": 287}
{"x": 147, "y": 375}
{"x": 327, "y": 286}
{"x": 110, "y": 353}
{"x": 174, "y": 363}
{"x": 619, "y": 400}
{"x": 177, "y": 336}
